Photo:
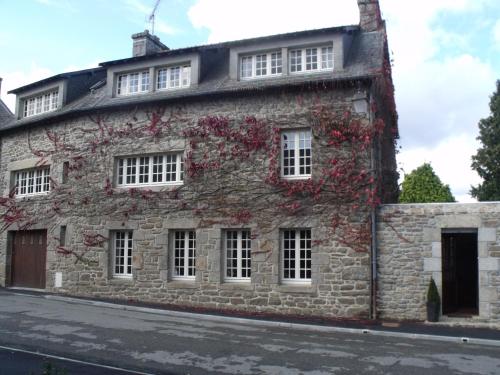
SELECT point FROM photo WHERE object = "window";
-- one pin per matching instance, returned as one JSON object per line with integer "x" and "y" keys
{"x": 62, "y": 235}
{"x": 296, "y": 251}
{"x": 41, "y": 104}
{"x": 133, "y": 83}
{"x": 122, "y": 254}
{"x": 311, "y": 59}
{"x": 173, "y": 77}
{"x": 184, "y": 254}
{"x": 261, "y": 65}
{"x": 33, "y": 181}
{"x": 164, "y": 169}
{"x": 296, "y": 154}
{"x": 237, "y": 250}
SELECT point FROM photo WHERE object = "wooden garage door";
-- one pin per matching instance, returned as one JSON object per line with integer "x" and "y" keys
{"x": 29, "y": 252}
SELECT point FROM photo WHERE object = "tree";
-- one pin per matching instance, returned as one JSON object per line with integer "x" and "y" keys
{"x": 487, "y": 160}
{"x": 422, "y": 185}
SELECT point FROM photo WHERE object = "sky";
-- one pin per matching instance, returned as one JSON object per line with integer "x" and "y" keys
{"x": 445, "y": 54}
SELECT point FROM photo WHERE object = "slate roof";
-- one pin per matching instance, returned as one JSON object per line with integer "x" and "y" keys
{"x": 364, "y": 61}
{"x": 6, "y": 116}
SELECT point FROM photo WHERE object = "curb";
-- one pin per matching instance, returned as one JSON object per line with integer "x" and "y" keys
{"x": 268, "y": 323}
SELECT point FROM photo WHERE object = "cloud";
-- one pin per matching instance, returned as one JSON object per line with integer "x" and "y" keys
{"x": 496, "y": 33}
{"x": 237, "y": 19}
{"x": 453, "y": 169}
{"x": 15, "y": 79}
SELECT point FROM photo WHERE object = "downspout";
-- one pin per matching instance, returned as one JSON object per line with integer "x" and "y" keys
{"x": 373, "y": 247}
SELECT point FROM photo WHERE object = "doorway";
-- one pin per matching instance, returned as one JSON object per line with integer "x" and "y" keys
{"x": 29, "y": 252}
{"x": 460, "y": 272}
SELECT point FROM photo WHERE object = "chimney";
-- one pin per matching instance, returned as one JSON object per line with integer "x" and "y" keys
{"x": 369, "y": 15}
{"x": 146, "y": 44}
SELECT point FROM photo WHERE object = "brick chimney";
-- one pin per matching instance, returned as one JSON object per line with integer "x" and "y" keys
{"x": 369, "y": 15}
{"x": 145, "y": 44}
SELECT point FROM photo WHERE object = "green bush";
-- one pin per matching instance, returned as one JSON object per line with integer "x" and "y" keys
{"x": 432, "y": 292}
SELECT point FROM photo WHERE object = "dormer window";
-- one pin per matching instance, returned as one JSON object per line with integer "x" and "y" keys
{"x": 261, "y": 65}
{"x": 40, "y": 104}
{"x": 311, "y": 59}
{"x": 173, "y": 77}
{"x": 133, "y": 83}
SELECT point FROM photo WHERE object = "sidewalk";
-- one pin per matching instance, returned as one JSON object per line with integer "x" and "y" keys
{"x": 447, "y": 332}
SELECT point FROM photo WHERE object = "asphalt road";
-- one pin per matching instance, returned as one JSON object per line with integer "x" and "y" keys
{"x": 160, "y": 344}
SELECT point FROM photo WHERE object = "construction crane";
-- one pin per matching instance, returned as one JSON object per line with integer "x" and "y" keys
{"x": 152, "y": 17}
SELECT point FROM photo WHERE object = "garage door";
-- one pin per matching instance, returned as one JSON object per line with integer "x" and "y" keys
{"x": 29, "y": 252}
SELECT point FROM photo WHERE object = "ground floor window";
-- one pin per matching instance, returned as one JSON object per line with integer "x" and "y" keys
{"x": 237, "y": 252}
{"x": 122, "y": 250}
{"x": 184, "y": 254}
{"x": 296, "y": 255}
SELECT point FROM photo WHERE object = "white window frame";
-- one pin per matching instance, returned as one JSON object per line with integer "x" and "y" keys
{"x": 297, "y": 258}
{"x": 242, "y": 235}
{"x": 296, "y": 136}
{"x": 123, "y": 87}
{"x": 322, "y": 64}
{"x": 168, "y": 83}
{"x": 185, "y": 247}
{"x": 267, "y": 62}
{"x": 36, "y": 105}
{"x": 131, "y": 169}
{"x": 32, "y": 182}
{"x": 128, "y": 248}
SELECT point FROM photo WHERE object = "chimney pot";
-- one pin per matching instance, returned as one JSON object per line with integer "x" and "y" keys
{"x": 145, "y": 44}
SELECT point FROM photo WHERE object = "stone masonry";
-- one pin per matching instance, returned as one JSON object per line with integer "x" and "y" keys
{"x": 340, "y": 283}
{"x": 409, "y": 245}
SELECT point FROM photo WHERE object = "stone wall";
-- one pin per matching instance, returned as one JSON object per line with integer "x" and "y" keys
{"x": 87, "y": 205}
{"x": 409, "y": 245}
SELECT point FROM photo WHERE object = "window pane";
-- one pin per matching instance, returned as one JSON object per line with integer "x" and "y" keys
{"x": 162, "y": 79}
{"x": 175, "y": 77}
{"x": 296, "y": 61}
{"x": 145, "y": 81}
{"x": 260, "y": 65}
{"x": 246, "y": 67}
{"x": 327, "y": 58}
{"x": 276, "y": 63}
{"x": 311, "y": 59}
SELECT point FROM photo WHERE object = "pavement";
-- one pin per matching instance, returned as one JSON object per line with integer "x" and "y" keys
{"x": 449, "y": 331}
{"x": 101, "y": 337}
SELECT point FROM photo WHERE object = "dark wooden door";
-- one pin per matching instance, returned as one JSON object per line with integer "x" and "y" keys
{"x": 460, "y": 273}
{"x": 29, "y": 252}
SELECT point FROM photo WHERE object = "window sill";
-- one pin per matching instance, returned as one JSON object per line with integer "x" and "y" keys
{"x": 121, "y": 280}
{"x": 150, "y": 187}
{"x": 183, "y": 284}
{"x": 236, "y": 285}
{"x": 292, "y": 178}
{"x": 302, "y": 288}
{"x": 30, "y": 196}
{"x": 254, "y": 78}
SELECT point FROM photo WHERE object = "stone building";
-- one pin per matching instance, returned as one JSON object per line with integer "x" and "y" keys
{"x": 241, "y": 175}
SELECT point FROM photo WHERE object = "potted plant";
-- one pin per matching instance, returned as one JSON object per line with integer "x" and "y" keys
{"x": 433, "y": 302}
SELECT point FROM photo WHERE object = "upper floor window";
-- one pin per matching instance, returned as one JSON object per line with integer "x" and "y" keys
{"x": 173, "y": 77}
{"x": 311, "y": 59}
{"x": 133, "y": 83}
{"x": 261, "y": 65}
{"x": 296, "y": 153}
{"x": 41, "y": 104}
{"x": 164, "y": 169}
{"x": 33, "y": 181}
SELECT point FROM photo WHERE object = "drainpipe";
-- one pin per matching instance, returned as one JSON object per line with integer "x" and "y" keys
{"x": 373, "y": 247}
